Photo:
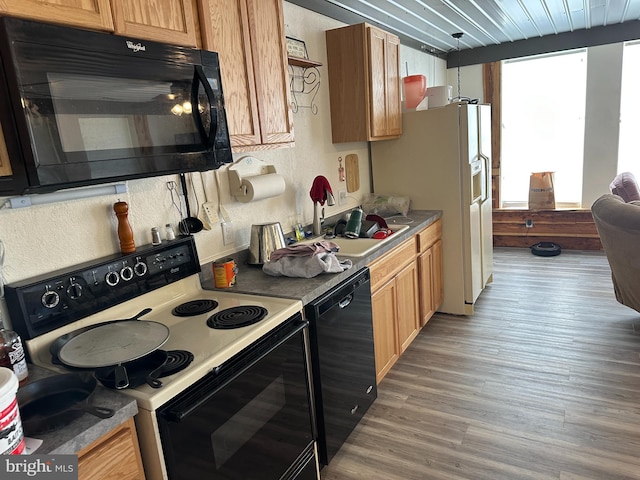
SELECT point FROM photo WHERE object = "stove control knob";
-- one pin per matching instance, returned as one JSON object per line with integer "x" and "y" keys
{"x": 140, "y": 268}
{"x": 126, "y": 273}
{"x": 50, "y": 299}
{"x": 112, "y": 279}
{"x": 74, "y": 290}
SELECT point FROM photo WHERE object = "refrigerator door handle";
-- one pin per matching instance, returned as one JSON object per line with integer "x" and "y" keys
{"x": 486, "y": 176}
{"x": 477, "y": 181}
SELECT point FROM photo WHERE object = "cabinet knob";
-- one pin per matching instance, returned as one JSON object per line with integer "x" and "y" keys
{"x": 355, "y": 409}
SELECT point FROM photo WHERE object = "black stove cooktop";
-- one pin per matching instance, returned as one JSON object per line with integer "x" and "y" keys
{"x": 194, "y": 307}
{"x": 237, "y": 317}
{"x": 177, "y": 360}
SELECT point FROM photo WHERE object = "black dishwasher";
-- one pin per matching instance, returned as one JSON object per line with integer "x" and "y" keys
{"x": 343, "y": 361}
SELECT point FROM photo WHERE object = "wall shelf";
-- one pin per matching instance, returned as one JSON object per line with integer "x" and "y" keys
{"x": 303, "y": 62}
{"x": 305, "y": 81}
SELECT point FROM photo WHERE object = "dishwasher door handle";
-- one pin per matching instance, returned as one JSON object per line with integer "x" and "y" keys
{"x": 346, "y": 301}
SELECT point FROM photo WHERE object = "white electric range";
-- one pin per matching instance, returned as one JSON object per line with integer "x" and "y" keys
{"x": 165, "y": 279}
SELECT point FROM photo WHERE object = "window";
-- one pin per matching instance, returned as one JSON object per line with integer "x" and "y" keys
{"x": 628, "y": 153}
{"x": 543, "y": 112}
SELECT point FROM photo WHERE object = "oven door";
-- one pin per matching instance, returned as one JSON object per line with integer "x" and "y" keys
{"x": 251, "y": 418}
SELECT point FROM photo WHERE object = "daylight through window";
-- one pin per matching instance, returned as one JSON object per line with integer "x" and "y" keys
{"x": 543, "y": 111}
{"x": 628, "y": 154}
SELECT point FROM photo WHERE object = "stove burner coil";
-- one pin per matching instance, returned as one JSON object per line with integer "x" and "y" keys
{"x": 177, "y": 360}
{"x": 237, "y": 317}
{"x": 194, "y": 307}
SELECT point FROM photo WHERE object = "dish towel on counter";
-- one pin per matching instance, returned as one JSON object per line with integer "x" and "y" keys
{"x": 306, "y": 260}
{"x": 319, "y": 189}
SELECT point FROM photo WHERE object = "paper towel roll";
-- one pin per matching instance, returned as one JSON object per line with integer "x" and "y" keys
{"x": 261, "y": 186}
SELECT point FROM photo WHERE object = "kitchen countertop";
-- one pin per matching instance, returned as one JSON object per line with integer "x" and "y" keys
{"x": 250, "y": 278}
{"x": 87, "y": 428}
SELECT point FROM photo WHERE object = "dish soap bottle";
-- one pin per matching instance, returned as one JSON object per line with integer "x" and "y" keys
{"x": 12, "y": 353}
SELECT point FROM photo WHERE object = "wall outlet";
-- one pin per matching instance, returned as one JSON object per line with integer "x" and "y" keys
{"x": 528, "y": 223}
{"x": 228, "y": 235}
{"x": 342, "y": 197}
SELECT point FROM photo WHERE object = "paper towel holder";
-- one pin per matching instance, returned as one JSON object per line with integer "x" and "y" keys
{"x": 246, "y": 167}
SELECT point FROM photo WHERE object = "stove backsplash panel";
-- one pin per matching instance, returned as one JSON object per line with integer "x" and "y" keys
{"x": 42, "y": 304}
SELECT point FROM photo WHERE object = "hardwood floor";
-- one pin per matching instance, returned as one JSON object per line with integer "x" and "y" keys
{"x": 543, "y": 382}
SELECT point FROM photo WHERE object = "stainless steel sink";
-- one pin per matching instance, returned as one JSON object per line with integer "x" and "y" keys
{"x": 359, "y": 247}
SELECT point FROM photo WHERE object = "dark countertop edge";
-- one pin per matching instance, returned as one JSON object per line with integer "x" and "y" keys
{"x": 87, "y": 428}
{"x": 251, "y": 280}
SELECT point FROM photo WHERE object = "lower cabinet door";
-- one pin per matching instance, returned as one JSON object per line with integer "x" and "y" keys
{"x": 384, "y": 330}
{"x": 116, "y": 456}
{"x": 407, "y": 306}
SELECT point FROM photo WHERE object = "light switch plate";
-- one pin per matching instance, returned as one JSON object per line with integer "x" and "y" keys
{"x": 228, "y": 235}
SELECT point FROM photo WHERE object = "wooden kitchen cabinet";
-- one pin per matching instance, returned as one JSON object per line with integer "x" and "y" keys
{"x": 94, "y": 14}
{"x": 250, "y": 40}
{"x": 115, "y": 456}
{"x": 168, "y": 21}
{"x": 385, "y": 337}
{"x": 395, "y": 306}
{"x": 364, "y": 84}
{"x": 430, "y": 270}
{"x": 408, "y": 316}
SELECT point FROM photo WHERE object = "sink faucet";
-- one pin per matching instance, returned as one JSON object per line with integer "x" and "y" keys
{"x": 318, "y": 213}
{"x": 320, "y": 192}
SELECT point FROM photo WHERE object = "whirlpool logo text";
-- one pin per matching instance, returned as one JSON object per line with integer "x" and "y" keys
{"x": 136, "y": 47}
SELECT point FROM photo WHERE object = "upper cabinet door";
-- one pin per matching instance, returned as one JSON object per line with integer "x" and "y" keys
{"x": 168, "y": 21}
{"x": 225, "y": 29}
{"x": 95, "y": 14}
{"x": 384, "y": 57}
{"x": 249, "y": 38}
{"x": 394, "y": 109}
{"x": 266, "y": 22}
{"x": 364, "y": 83}
{"x": 377, "y": 81}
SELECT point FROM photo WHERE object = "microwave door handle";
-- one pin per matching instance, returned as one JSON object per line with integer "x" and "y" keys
{"x": 199, "y": 78}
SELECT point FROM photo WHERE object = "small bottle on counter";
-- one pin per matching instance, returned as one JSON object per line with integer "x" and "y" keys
{"x": 170, "y": 233}
{"x": 155, "y": 236}
{"x": 12, "y": 353}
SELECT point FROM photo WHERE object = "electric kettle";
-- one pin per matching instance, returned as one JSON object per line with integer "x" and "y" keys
{"x": 265, "y": 239}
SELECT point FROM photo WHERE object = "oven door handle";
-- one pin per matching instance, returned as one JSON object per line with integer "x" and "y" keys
{"x": 230, "y": 370}
{"x": 199, "y": 78}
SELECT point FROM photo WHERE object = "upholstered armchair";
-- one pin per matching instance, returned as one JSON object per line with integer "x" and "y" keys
{"x": 618, "y": 223}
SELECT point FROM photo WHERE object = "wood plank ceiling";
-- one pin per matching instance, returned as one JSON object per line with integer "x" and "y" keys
{"x": 428, "y": 25}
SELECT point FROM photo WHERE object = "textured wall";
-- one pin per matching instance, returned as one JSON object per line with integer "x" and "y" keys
{"x": 41, "y": 239}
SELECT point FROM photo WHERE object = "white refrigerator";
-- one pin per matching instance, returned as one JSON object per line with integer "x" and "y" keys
{"x": 442, "y": 161}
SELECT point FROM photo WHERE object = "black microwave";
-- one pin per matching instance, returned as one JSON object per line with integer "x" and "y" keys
{"x": 79, "y": 108}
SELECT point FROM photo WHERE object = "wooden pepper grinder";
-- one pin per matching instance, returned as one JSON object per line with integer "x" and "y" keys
{"x": 125, "y": 233}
